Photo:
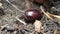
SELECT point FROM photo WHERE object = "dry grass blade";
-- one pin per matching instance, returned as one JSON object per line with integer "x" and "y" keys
{"x": 38, "y": 26}
{"x": 56, "y": 16}
{"x": 41, "y": 7}
{"x": 14, "y": 6}
{"x": 55, "y": 32}
{"x": 20, "y": 20}
{"x": 4, "y": 26}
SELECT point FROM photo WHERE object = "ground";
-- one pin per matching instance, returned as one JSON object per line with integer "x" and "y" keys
{"x": 48, "y": 26}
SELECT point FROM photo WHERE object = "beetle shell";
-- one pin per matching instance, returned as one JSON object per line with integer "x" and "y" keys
{"x": 32, "y": 14}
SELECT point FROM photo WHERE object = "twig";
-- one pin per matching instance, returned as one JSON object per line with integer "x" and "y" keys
{"x": 20, "y": 20}
{"x": 42, "y": 9}
{"x": 18, "y": 10}
{"x": 14, "y": 6}
{"x": 4, "y": 26}
{"x": 55, "y": 32}
{"x": 56, "y": 16}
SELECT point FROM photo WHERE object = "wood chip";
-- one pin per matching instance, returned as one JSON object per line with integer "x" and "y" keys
{"x": 38, "y": 26}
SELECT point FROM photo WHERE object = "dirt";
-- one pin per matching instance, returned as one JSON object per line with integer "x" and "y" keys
{"x": 48, "y": 26}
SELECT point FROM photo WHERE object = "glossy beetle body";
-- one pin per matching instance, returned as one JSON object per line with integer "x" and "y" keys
{"x": 32, "y": 14}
